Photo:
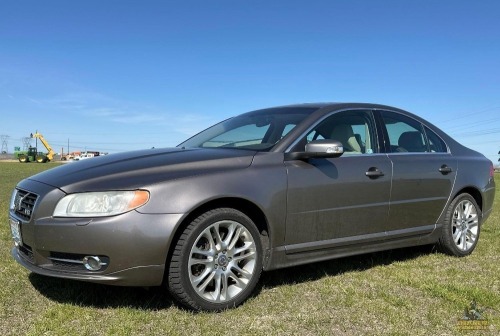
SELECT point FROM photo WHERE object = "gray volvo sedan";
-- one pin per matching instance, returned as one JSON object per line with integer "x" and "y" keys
{"x": 268, "y": 189}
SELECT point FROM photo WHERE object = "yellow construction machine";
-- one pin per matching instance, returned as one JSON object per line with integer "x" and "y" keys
{"x": 32, "y": 155}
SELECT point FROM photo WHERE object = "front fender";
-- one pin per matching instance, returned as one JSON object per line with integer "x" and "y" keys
{"x": 263, "y": 183}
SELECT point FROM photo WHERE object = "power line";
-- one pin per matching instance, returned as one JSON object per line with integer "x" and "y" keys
{"x": 474, "y": 124}
{"x": 470, "y": 114}
{"x": 478, "y": 132}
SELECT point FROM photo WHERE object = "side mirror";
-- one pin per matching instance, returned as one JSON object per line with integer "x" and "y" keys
{"x": 317, "y": 149}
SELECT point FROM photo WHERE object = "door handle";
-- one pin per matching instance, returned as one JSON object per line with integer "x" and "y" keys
{"x": 374, "y": 172}
{"x": 445, "y": 169}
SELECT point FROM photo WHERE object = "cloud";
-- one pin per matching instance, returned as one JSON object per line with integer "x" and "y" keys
{"x": 103, "y": 112}
{"x": 189, "y": 124}
{"x": 128, "y": 118}
{"x": 95, "y": 105}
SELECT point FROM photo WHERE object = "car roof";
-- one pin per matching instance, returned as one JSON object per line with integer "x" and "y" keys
{"x": 333, "y": 105}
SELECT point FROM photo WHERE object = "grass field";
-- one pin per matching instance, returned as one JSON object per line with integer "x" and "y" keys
{"x": 399, "y": 292}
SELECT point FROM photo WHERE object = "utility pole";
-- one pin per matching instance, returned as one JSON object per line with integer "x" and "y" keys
{"x": 496, "y": 168}
{"x": 5, "y": 141}
{"x": 26, "y": 143}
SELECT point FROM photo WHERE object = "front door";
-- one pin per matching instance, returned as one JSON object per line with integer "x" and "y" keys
{"x": 339, "y": 201}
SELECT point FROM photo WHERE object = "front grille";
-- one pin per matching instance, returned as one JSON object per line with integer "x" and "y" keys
{"x": 24, "y": 203}
{"x": 67, "y": 261}
{"x": 67, "y": 266}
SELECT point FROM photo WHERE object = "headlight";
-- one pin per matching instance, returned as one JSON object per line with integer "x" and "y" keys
{"x": 99, "y": 204}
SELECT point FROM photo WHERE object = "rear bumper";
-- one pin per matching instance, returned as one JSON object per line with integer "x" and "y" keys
{"x": 488, "y": 199}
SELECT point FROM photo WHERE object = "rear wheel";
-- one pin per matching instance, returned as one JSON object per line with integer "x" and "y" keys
{"x": 41, "y": 159}
{"x": 217, "y": 261}
{"x": 461, "y": 228}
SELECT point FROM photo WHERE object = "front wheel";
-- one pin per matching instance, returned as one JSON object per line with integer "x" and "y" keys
{"x": 217, "y": 261}
{"x": 461, "y": 228}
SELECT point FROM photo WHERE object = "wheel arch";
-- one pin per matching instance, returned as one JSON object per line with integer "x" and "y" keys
{"x": 247, "y": 207}
{"x": 474, "y": 192}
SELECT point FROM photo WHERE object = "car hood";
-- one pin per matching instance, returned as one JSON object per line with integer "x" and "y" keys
{"x": 138, "y": 169}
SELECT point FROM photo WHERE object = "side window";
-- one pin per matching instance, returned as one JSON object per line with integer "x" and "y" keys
{"x": 436, "y": 145}
{"x": 405, "y": 134}
{"x": 354, "y": 129}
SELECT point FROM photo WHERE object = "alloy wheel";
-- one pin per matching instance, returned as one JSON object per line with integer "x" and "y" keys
{"x": 222, "y": 261}
{"x": 465, "y": 223}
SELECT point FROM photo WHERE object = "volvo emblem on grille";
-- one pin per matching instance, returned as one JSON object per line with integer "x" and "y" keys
{"x": 18, "y": 203}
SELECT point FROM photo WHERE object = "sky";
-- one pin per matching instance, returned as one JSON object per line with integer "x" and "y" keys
{"x": 113, "y": 76}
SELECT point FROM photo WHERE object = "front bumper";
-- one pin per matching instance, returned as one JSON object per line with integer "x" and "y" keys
{"x": 134, "y": 245}
{"x": 135, "y": 276}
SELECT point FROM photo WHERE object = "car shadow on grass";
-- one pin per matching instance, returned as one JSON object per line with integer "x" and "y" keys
{"x": 362, "y": 262}
{"x": 101, "y": 296}
{"x": 157, "y": 298}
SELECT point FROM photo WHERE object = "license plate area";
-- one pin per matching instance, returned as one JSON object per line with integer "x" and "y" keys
{"x": 15, "y": 228}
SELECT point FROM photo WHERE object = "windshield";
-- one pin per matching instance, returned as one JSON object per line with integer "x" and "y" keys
{"x": 259, "y": 130}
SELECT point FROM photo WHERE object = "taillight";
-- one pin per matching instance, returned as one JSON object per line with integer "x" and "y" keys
{"x": 492, "y": 170}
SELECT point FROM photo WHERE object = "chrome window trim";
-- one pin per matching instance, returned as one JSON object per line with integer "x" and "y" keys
{"x": 418, "y": 153}
{"x": 421, "y": 124}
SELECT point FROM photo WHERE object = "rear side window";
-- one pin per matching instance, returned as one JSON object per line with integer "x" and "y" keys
{"x": 405, "y": 134}
{"x": 436, "y": 145}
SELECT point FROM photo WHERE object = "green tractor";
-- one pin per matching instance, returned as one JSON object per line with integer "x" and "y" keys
{"x": 32, "y": 156}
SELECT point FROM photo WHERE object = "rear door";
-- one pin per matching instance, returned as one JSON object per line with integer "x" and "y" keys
{"x": 423, "y": 174}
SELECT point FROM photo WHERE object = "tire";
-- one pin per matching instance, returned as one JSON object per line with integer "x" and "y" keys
{"x": 23, "y": 158}
{"x": 217, "y": 261}
{"x": 461, "y": 227}
{"x": 40, "y": 159}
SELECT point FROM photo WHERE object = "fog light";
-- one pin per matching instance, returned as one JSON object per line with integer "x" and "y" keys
{"x": 92, "y": 263}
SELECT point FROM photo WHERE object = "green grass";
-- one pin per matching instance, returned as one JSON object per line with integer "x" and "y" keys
{"x": 399, "y": 292}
